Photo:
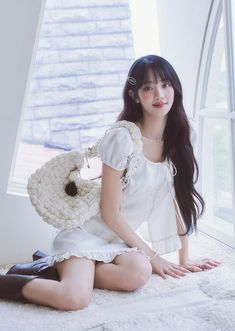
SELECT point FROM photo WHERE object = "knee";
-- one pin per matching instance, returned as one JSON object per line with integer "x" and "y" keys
{"x": 73, "y": 300}
{"x": 138, "y": 274}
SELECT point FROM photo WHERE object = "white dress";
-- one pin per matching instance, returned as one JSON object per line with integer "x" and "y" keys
{"x": 148, "y": 198}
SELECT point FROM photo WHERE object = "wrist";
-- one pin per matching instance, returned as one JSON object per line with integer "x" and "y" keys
{"x": 183, "y": 260}
{"x": 153, "y": 256}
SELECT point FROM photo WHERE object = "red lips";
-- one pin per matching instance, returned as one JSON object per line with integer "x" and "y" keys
{"x": 159, "y": 104}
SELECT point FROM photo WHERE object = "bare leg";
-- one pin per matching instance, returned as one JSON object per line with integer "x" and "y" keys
{"x": 128, "y": 272}
{"x": 71, "y": 293}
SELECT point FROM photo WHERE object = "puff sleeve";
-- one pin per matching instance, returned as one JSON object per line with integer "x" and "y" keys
{"x": 115, "y": 148}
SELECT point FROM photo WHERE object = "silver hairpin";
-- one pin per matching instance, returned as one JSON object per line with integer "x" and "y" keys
{"x": 131, "y": 80}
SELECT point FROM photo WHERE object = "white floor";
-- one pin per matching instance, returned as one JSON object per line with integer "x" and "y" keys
{"x": 202, "y": 301}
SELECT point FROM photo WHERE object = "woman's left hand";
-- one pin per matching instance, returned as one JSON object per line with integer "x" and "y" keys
{"x": 200, "y": 265}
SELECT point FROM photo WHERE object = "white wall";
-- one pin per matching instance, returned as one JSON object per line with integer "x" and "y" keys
{"x": 20, "y": 229}
{"x": 182, "y": 26}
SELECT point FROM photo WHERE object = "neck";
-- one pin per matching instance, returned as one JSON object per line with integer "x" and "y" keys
{"x": 153, "y": 128}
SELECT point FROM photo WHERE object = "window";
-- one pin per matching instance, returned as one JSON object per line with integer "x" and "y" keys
{"x": 215, "y": 112}
{"x": 84, "y": 51}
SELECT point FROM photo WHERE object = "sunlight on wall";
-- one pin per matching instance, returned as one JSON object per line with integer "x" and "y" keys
{"x": 79, "y": 71}
{"x": 145, "y": 27}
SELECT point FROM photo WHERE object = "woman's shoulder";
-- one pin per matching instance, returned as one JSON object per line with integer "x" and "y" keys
{"x": 127, "y": 125}
{"x": 130, "y": 130}
{"x": 117, "y": 144}
{"x": 119, "y": 132}
{"x": 123, "y": 131}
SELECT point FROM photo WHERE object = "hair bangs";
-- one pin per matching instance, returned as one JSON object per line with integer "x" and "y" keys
{"x": 161, "y": 73}
{"x": 160, "y": 70}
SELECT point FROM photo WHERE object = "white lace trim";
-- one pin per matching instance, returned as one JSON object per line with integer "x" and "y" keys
{"x": 105, "y": 257}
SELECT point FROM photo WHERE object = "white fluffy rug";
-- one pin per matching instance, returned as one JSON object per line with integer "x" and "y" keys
{"x": 203, "y": 301}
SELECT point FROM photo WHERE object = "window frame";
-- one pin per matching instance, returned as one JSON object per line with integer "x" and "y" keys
{"x": 202, "y": 113}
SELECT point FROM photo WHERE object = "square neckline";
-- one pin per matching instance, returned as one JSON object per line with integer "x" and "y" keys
{"x": 142, "y": 152}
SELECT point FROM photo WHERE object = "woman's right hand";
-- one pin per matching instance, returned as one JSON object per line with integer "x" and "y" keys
{"x": 166, "y": 268}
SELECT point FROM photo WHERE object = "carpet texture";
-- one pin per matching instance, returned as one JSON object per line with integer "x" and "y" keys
{"x": 203, "y": 301}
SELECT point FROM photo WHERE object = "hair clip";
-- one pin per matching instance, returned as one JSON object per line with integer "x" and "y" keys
{"x": 131, "y": 80}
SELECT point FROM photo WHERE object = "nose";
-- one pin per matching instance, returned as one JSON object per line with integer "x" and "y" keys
{"x": 158, "y": 93}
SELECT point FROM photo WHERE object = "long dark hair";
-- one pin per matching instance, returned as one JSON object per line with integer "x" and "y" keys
{"x": 176, "y": 135}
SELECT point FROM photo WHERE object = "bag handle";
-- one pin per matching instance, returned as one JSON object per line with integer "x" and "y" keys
{"x": 134, "y": 133}
{"x": 90, "y": 152}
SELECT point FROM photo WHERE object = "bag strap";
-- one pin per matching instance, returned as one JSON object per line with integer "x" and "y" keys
{"x": 134, "y": 159}
{"x": 134, "y": 133}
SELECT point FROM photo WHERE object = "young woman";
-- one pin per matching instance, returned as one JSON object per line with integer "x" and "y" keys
{"x": 156, "y": 186}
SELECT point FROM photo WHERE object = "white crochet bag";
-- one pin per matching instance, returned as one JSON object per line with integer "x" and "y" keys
{"x": 59, "y": 194}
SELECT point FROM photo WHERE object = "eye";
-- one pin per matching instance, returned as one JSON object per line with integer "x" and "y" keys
{"x": 166, "y": 83}
{"x": 148, "y": 88}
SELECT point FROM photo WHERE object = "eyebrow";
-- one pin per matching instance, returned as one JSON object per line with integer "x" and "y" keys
{"x": 150, "y": 81}
{"x": 155, "y": 82}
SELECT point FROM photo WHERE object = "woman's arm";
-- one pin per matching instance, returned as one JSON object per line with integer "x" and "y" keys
{"x": 184, "y": 259}
{"x": 111, "y": 193}
{"x": 184, "y": 251}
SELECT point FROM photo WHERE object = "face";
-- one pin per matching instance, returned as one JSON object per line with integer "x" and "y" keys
{"x": 156, "y": 97}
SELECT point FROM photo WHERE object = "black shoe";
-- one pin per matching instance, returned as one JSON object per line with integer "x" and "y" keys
{"x": 37, "y": 268}
{"x": 11, "y": 287}
{"x": 37, "y": 255}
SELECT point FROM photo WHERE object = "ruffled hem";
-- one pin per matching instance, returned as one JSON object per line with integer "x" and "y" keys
{"x": 167, "y": 245}
{"x": 105, "y": 257}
